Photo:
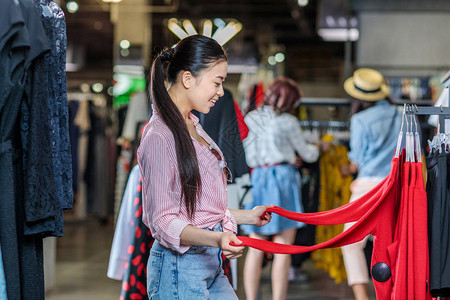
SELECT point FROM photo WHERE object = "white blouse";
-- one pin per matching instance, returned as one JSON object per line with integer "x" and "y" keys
{"x": 274, "y": 139}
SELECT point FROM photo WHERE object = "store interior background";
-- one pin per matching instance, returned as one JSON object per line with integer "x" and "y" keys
{"x": 110, "y": 49}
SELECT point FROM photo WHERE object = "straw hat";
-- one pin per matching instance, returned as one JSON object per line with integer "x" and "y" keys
{"x": 366, "y": 84}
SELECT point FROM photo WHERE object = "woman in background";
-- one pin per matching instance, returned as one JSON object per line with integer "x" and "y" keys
{"x": 272, "y": 143}
{"x": 374, "y": 128}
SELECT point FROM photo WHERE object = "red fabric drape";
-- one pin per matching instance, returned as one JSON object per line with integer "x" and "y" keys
{"x": 243, "y": 129}
{"x": 395, "y": 213}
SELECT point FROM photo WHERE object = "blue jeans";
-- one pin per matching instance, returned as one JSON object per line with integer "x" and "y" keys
{"x": 196, "y": 274}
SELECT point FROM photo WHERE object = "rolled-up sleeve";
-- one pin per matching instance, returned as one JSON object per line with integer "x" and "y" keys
{"x": 160, "y": 200}
{"x": 358, "y": 142}
{"x": 229, "y": 222}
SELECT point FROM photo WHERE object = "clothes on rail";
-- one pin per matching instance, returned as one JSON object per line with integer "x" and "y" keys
{"x": 395, "y": 213}
{"x": 222, "y": 125}
{"x": 252, "y": 85}
{"x": 334, "y": 192}
{"x": 35, "y": 157}
{"x": 132, "y": 243}
{"x": 310, "y": 189}
{"x": 438, "y": 193}
{"x": 93, "y": 155}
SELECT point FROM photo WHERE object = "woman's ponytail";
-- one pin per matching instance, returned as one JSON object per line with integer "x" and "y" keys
{"x": 186, "y": 155}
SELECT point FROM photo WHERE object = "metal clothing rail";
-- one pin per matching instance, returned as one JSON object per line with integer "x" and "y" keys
{"x": 442, "y": 112}
{"x": 325, "y": 124}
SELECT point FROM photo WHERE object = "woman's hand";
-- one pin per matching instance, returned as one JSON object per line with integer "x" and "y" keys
{"x": 257, "y": 217}
{"x": 230, "y": 252}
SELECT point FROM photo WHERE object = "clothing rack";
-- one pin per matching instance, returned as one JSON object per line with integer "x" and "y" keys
{"x": 442, "y": 112}
{"x": 325, "y": 124}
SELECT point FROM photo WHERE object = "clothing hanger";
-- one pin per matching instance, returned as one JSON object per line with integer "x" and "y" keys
{"x": 400, "y": 135}
{"x": 407, "y": 138}
{"x": 418, "y": 149}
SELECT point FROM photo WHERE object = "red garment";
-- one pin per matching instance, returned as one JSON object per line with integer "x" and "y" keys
{"x": 259, "y": 94}
{"x": 395, "y": 213}
{"x": 243, "y": 129}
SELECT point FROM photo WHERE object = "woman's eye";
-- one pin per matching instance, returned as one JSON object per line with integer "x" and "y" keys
{"x": 217, "y": 84}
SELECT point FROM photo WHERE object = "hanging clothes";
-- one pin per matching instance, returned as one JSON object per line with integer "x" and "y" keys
{"x": 97, "y": 173}
{"x": 310, "y": 189}
{"x": 221, "y": 124}
{"x": 30, "y": 206}
{"x": 334, "y": 192}
{"x": 132, "y": 243}
{"x": 125, "y": 228}
{"x": 395, "y": 213}
{"x": 134, "y": 284}
{"x": 438, "y": 194}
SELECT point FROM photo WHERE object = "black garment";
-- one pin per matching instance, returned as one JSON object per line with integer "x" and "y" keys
{"x": 305, "y": 236}
{"x": 221, "y": 125}
{"x": 252, "y": 100}
{"x": 28, "y": 199}
{"x": 74, "y": 133}
{"x": 20, "y": 45}
{"x": 52, "y": 18}
{"x": 438, "y": 194}
{"x": 97, "y": 167}
{"x": 42, "y": 211}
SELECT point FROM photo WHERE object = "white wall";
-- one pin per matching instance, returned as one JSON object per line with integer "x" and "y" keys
{"x": 404, "y": 39}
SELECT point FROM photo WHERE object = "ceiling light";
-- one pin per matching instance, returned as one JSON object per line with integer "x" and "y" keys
{"x": 97, "y": 87}
{"x": 85, "y": 87}
{"x": 72, "y": 7}
{"x": 189, "y": 27}
{"x": 124, "y": 52}
{"x": 302, "y": 2}
{"x": 271, "y": 60}
{"x": 124, "y": 44}
{"x": 112, "y": 1}
{"x": 279, "y": 57}
{"x": 207, "y": 28}
{"x": 224, "y": 35}
{"x": 339, "y": 34}
{"x": 176, "y": 29}
{"x": 219, "y": 23}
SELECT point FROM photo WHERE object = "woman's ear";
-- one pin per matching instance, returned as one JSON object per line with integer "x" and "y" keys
{"x": 186, "y": 79}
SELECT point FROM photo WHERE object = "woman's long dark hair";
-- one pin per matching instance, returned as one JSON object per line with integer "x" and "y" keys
{"x": 194, "y": 54}
{"x": 357, "y": 105}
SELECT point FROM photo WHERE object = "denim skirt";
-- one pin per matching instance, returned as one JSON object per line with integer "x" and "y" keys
{"x": 279, "y": 185}
{"x": 195, "y": 274}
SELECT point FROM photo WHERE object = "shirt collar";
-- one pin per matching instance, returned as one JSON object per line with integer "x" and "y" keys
{"x": 382, "y": 102}
{"x": 194, "y": 118}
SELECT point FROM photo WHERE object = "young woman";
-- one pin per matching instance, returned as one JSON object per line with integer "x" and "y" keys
{"x": 271, "y": 146}
{"x": 374, "y": 128}
{"x": 185, "y": 176}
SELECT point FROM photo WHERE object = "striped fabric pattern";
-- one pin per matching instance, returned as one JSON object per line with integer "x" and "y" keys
{"x": 164, "y": 212}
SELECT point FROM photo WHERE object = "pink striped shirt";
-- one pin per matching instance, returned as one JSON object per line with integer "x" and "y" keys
{"x": 163, "y": 211}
